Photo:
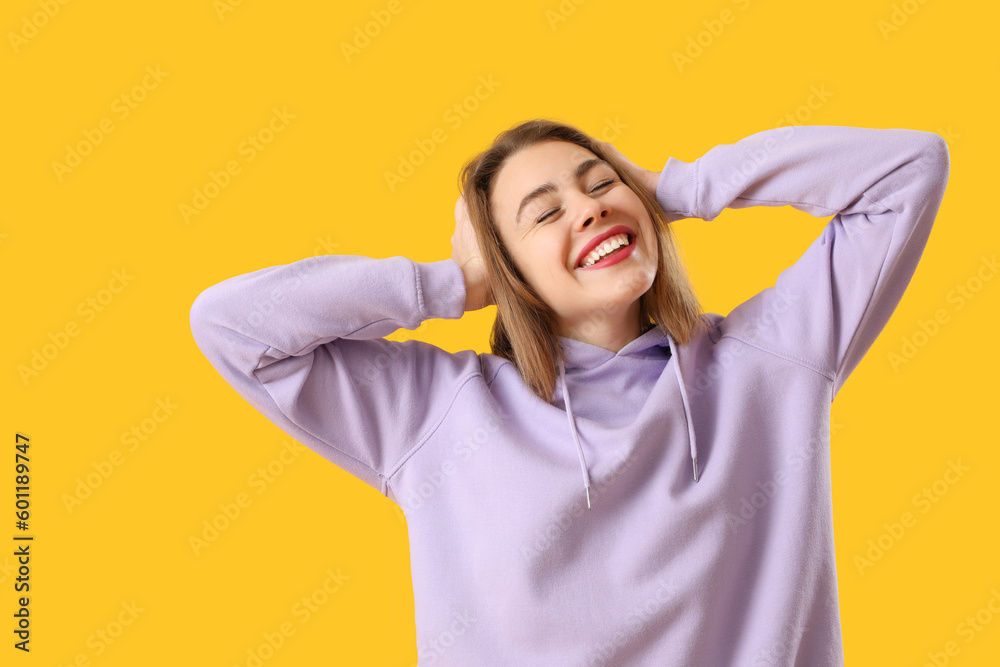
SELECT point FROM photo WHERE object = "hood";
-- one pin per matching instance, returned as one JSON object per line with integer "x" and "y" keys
{"x": 578, "y": 354}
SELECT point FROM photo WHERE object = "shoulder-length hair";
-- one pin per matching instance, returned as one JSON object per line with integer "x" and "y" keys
{"x": 525, "y": 326}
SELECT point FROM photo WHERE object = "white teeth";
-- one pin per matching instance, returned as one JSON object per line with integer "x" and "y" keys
{"x": 611, "y": 244}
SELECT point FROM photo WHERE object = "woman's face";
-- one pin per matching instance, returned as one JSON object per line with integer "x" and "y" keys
{"x": 551, "y": 201}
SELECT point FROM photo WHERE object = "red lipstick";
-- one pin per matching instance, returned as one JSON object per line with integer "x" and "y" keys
{"x": 600, "y": 238}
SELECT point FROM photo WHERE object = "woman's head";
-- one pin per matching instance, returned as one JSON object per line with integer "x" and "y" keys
{"x": 538, "y": 198}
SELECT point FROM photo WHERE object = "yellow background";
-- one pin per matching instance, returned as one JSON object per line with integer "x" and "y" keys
{"x": 319, "y": 187}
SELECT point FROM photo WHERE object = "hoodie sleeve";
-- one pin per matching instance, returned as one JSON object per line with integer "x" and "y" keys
{"x": 302, "y": 343}
{"x": 883, "y": 188}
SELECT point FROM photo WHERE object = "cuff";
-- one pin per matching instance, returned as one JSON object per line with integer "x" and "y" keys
{"x": 677, "y": 189}
{"x": 441, "y": 289}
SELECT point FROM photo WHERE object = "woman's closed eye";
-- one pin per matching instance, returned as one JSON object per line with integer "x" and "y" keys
{"x": 600, "y": 185}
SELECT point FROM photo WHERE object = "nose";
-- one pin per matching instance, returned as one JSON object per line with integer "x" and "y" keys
{"x": 591, "y": 209}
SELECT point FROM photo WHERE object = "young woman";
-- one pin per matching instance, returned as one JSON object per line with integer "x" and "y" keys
{"x": 625, "y": 480}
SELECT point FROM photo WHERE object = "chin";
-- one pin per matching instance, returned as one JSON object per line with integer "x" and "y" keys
{"x": 635, "y": 280}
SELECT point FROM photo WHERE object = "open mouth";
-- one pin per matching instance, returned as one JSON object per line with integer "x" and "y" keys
{"x": 610, "y": 251}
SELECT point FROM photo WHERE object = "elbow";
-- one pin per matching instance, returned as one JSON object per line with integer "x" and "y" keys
{"x": 201, "y": 320}
{"x": 935, "y": 157}
{"x": 213, "y": 339}
{"x": 924, "y": 169}
{"x": 217, "y": 333}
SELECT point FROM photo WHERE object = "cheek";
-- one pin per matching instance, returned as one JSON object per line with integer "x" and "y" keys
{"x": 541, "y": 259}
{"x": 553, "y": 252}
{"x": 522, "y": 256}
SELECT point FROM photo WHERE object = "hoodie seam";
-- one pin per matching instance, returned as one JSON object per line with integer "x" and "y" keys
{"x": 281, "y": 411}
{"x": 866, "y": 314}
{"x": 712, "y": 331}
{"x": 420, "y": 291}
{"x": 489, "y": 383}
{"x": 383, "y": 477}
{"x": 300, "y": 427}
{"x": 790, "y": 203}
{"x": 697, "y": 190}
{"x": 422, "y": 440}
{"x": 782, "y": 355}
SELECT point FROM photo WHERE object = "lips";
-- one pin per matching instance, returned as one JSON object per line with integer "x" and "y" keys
{"x": 600, "y": 238}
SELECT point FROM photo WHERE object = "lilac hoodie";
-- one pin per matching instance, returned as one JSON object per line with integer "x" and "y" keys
{"x": 670, "y": 505}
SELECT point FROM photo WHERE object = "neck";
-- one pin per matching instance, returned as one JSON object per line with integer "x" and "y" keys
{"x": 609, "y": 329}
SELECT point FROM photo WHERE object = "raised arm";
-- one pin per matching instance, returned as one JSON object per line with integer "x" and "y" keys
{"x": 303, "y": 344}
{"x": 883, "y": 188}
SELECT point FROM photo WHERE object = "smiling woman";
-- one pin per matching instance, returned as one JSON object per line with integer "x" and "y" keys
{"x": 703, "y": 531}
{"x": 540, "y": 200}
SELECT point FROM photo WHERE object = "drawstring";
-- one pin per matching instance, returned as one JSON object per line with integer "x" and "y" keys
{"x": 687, "y": 408}
{"x": 576, "y": 435}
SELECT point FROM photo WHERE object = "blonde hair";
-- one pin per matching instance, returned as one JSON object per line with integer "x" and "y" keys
{"x": 525, "y": 326}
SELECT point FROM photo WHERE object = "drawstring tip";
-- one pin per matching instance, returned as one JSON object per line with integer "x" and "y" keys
{"x": 694, "y": 462}
{"x": 588, "y": 496}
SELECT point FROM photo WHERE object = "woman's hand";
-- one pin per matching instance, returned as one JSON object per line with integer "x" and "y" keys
{"x": 648, "y": 179}
{"x": 465, "y": 251}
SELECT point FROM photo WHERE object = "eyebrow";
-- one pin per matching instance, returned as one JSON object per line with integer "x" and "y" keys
{"x": 544, "y": 188}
